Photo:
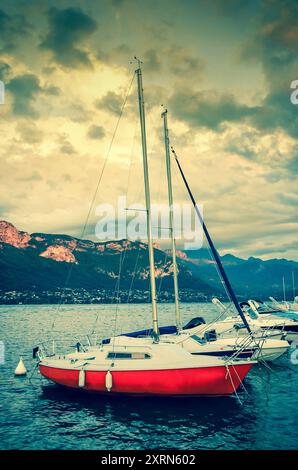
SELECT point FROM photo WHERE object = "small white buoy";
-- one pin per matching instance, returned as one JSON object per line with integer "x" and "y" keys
{"x": 81, "y": 378}
{"x": 20, "y": 369}
{"x": 109, "y": 381}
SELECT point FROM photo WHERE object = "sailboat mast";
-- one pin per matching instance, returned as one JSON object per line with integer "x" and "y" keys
{"x": 148, "y": 203}
{"x": 293, "y": 283}
{"x": 284, "y": 288}
{"x": 171, "y": 218}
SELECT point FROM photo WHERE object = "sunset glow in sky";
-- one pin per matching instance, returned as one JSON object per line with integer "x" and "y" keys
{"x": 222, "y": 68}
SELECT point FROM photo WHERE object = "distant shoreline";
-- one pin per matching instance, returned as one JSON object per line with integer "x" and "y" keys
{"x": 106, "y": 303}
{"x": 83, "y": 296}
{"x": 122, "y": 303}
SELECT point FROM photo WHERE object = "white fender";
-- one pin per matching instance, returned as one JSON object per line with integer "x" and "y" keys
{"x": 109, "y": 381}
{"x": 20, "y": 369}
{"x": 81, "y": 378}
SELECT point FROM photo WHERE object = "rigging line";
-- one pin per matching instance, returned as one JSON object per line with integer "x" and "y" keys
{"x": 159, "y": 179}
{"x": 212, "y": 258}
{"x": 116, "y": 296}
{"x": 117, "y": 284}
{"x": 219, "y": 274}
{"x": 210, "y": 253}
{"x": 116, "y": 289}
{"x": 132, "y": 155}
{"x": 127, "y": 190}
{"x": 211, "y": 244}
{"x": 147, "y": 316}
{"x": 133, "y": 275}
{"x": 97, "y": 188}
{"x": 139, "y": 188}
{"x": 240, "y": 381}
{"x": 202, "y": 328}
{"x": 240, "y": 347}
{"x": 109, "y": 149}
{"x": 232, "y": 383}
{"x": 166, "y": 254}
{"x": 98, "y": 313}
{"x": 161, "y": 278}
{"x": 122, "y": 257}
{"x": 113, "y": 298}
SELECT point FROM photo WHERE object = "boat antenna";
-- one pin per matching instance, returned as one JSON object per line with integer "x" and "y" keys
{"x": 148, "y": 201}
{"x": 164, "y": 115}
{"x": 213, "y": 249}
{"x": 136, "y": 60}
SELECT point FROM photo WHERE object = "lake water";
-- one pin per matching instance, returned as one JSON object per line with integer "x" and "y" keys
{"x": 40, "y": 415}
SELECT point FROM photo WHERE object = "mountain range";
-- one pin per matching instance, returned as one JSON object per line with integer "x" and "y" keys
{"x": 36, "y": 263}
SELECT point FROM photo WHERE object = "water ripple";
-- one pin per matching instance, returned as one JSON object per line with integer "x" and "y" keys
{"x": 42, "y": 416}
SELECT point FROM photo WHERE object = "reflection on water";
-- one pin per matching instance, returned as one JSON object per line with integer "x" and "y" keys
{"x": 44, "y": 416}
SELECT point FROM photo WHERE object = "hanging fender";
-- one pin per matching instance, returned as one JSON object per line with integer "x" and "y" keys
{"x": 81, "y": 378}
{"x": 109, "y": 381}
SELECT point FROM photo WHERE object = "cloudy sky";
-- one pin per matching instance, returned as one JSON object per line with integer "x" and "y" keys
{"x": 222, "y": 68}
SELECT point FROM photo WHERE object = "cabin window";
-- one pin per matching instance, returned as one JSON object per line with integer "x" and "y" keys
{"x": 124, "y": 355}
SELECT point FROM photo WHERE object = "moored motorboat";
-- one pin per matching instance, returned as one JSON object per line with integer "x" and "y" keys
{"x": 212, "y": 340}
{"x": 265, "y": 349}
{"x": 268, "y": 322}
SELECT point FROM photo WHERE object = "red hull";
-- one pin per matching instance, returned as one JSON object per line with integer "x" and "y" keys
{"x": 171, "y": 382}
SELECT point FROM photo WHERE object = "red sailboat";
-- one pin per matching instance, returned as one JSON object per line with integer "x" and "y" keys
{"x": 140, "y": 366}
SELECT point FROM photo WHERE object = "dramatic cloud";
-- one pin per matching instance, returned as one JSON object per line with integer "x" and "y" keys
{"x": 34, "y": 176}
{"x": 12, "y": 29}
{"x": 96, "y": 132}
{"x": 66, "y": 147}
{"x": 277, "y": 112}
{"x": 288, "y": 199}
{"x": 182, "y": 62}
{"x": 68, "y": 31}
{"x": 208, "y": 109}
{"x": 4, "y": 71}
{"x": 276, "y": 41}
{"x": 24, "y": 89}
{"x": 179, "y": 61}
{"x": 223, "y": 69}
{"x": 29, "y": 132}
{"x": 275, "y": 46}
{"x": 111, "y": 102}
{"x": 152, "y": 60}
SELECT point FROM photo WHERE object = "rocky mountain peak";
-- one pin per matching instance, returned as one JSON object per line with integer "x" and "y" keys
{"x": 12, "y": 236}
{"x": 59, "y": 253}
